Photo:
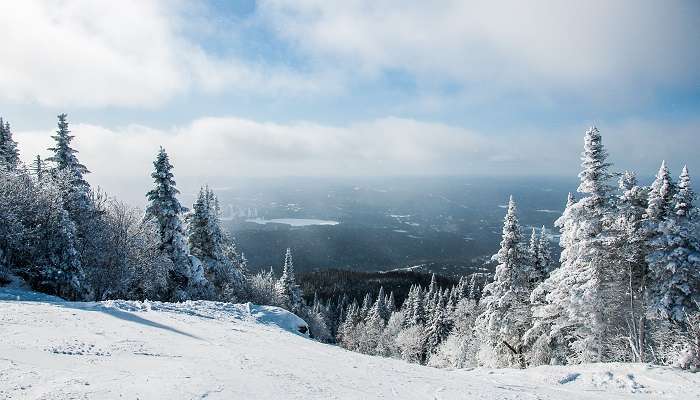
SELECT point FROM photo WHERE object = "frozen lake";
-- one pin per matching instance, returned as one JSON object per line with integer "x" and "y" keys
{"x": 293, "y": 221}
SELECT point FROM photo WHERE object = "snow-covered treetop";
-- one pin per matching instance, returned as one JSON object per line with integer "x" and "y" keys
{"x": 684, "y": 197}
{"x": 628, "y": 180}
{"x": 162, "y": 197}
{"x": 594, "y": 174}
{"x": 660, "y": 195}
{"x": 511, "y": 239}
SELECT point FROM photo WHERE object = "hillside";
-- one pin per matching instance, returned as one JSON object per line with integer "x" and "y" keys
{"x": 52, "y": 349}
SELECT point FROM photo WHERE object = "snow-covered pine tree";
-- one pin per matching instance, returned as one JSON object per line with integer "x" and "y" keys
{"x": 9, "y": 154}
{"x": 69, "y": 174}
{"x": 165, "y": 210}
{"x": 506, "y": 311}
{"x": 199, "y": 236}
{"x": 38, "y": 168}
{"x": 661, "y": 194}
{"x": 674, "y": 259}
{"x": 428, "y": 296}
{"x": 374, "y": 327}
{"x": 583, "y": 300}
{"x": 64, "y": 156}
{"x": 222, "y": 263}
{"x": 546, "y": 342}
{"x": 474, "y": 289}
{"x": 628, "y": 250}
{"x": 544, "y": 253}
{"x": 437, "y": 331}
{"x": 418, "y": 311}
{"x": 537, "y": 273}
{"x": 366, "y": 305}
{"x": 57, "y": 269}
{"x": 381, "y": 305}
{"x": 346, "y": 331}
{"x": 287, "y": 288}
{"x": 391, "y": 303}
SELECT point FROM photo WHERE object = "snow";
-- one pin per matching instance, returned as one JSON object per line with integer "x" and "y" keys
{"x": 293, "y": 221}
{"x": 54, "y": 349}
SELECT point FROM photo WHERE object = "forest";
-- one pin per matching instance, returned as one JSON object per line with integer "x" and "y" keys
{"x": 625, "y": 287}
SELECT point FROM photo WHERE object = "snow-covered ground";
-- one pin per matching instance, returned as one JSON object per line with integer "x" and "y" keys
{"x": 52, "y": 349}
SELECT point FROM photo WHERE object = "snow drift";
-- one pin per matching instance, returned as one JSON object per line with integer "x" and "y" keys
{"x": 54, "y": 349}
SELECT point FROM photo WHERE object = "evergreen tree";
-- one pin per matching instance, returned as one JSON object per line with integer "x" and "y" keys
{"x": 366, "y": 305}
{"x": 674, "y": 259}
{"x": 544, "y": 253}
{"x": 537, "y": 272}
{"x": 581, "y": 305}
{"x": 346, "y": 336}
{"x": 506, "y": 313}
{"x": 64, "y": 156}
{"x": 660, "y": 196}
{"x": 374, "y": 327}
{"x": 628, "y": 250}
{"x": 418, "y": 311}
{"x": 165, "y": 210}
{"x": 38, "y": 168}
{"x": 287, "y": 288}
{"x": 391, "y": 303}
{"x": 222, "y": 263}
{"x": 381, "y": 305}
{"x": 9, "y": 154}
{"x": 437, "y": 331}
{"x": 69, "y": 173}
{"x": 474, "y": 289}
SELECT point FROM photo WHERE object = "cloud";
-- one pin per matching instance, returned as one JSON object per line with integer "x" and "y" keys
{"x": 131, "y": 53}
{"x": 543, "y": 46}
{"x": 217, "y": 149}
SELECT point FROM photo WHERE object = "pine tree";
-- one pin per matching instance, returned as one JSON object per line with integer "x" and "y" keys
{"x": 374, "y": 327}
{"x": 674, "y": 259}
{"x": 346, "y": 330}
{"x": 287, "y": 288}
{"x": 64, "y": 156}
{"x": 38, "y": 168}
{"x": 538, "y": 272}
{"x": 165, "y": 210}
{"x": 474, "y": 289}
{"x": 381, "y": 304}
{"x": 581, "y": 308}
{"x": 366, "y": 305}
{"x": 9, "y": 154}
{"x": 418, "y": 311}
{"x": 200, "y": 237}
{"x": 628, "y": 251}
{"x": 544, "y": 252}
{"x": 70, "y": 175}
{"x": 437, "y": 331}
{"x": 391, "y": 303}
{"x": 506, "y": 314}
{"x": 223, "y": 266}
{"x": 660, "y": 195}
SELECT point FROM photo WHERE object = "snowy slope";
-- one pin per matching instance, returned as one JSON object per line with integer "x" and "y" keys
{"x": 51, "y": 349}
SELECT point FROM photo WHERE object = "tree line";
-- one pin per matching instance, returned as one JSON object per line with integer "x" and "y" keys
{"x": 625, "y": 288}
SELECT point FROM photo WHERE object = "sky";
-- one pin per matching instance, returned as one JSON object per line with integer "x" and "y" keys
{"x": 247, "y": 88}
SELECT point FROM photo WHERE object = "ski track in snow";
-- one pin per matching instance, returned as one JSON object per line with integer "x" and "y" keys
{"x": 53, "y": 349}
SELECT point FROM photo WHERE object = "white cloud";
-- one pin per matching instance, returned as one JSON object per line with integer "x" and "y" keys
{"x": 594, "y": 45}
{"x": 210, "y": 149}
{"x": 85, "y": 53}
{"x": 117, "y": 53}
